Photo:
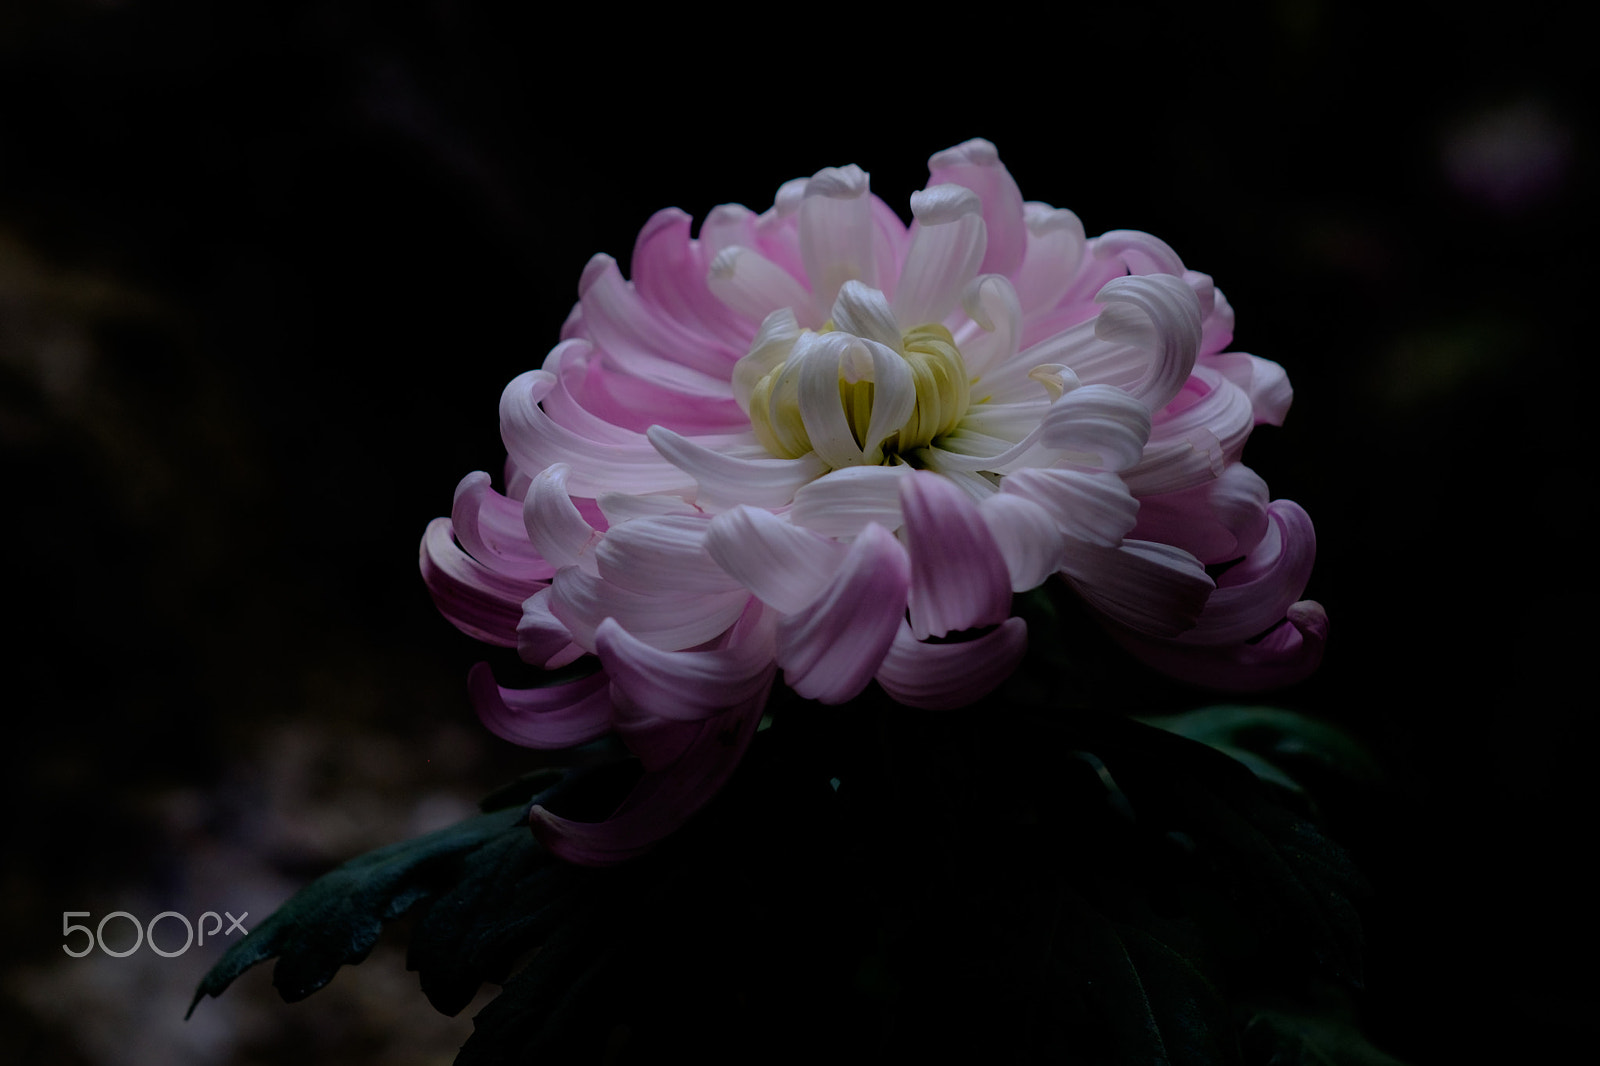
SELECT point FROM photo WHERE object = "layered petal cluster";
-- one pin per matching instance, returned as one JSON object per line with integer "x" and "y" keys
{"x": 818, "y": 441}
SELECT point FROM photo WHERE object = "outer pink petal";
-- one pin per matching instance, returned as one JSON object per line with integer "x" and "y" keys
{"x": 1265, "y": 382}
{"x": 480, "y": 602}
{"x": 1289, "y": 652}
{"x": 945, "y": 676}
{"x": 669, "y": 273}
{"x": 782, "y": 564}
{"x": 489, "y": 526}
{"x": 1255, "y": 594}
{"x": 664, "y": 798}
{"x": 1215, "y": 522}
{"x": 542, "y": 639}
{"x": 958, "y": 575}
{"x": 830, "y": 650}
{"x": 685, "y": 685}
{"x": 559, "y": 716}
{"x": 1148, "y": 587}
{"x": 976, "y": 165}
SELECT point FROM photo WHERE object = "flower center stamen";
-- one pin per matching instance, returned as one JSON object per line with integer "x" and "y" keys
{"x": 938, "y": 377}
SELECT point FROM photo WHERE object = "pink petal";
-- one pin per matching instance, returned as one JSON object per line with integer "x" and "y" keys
{"x": 481, "y": 602}
{"x": 1265, "y": 382}
{"x": 489, "y": 526}
{"x": 1028, "y": 538}
{"x": 663, "y": 799}
{"x": 542, "y": 639}
{"x": 945, "y": 676}
{"x": 1254, "y": 594}
{"x": 669, "y": 272}
{"x": 671, "y": 621}
{"x": 958, "y": 576}
{"x": 1289, "y": 652}
{"x": 976, "y": 165}
{"x": 1215, "y": 522}
{"x": 684, "y": 685}
{"x": 558, "y": 716}
{"x": 1148, "y": 587}
{"x": 644, "y": 341}
{"x": 831, "y": 649}
{"x": 1092, "y": 507}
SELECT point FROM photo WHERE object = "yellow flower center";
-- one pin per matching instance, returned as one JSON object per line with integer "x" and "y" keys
{"x": 938, "y": 374}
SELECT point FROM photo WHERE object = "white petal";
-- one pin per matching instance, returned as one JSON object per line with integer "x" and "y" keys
{"x": 553, "y": 523}
{"x": 1265, "y": 382}
{"x": 670, "y": 621}
{"x": 1138, "y": 252}
{"x": 836, "y": 232}
{"x": 773, "y": 343}
{"x": 1094, "y": 507}
{"x": 846, "y": 501}
{"x": 1027, "y": 537}
{"x": 1160, "y": 316}
{"x": 614, "y": 461}
{"x": 661, "y": 555}
{"x": 1098, "y": 425}
{"x": 996, "y": 314}
{"x": 726, "y": 481}
{"x": 783, "y": 565}
{"x": 866, "y": 313}
{"x": 818, "y": 362}
{"x": 1056, "y": 247}
{"x": 946, "y": 249}
{"x": 754, "y": 285}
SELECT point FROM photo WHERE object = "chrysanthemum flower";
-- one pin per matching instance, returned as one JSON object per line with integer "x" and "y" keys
{"x": 820, "y": 442}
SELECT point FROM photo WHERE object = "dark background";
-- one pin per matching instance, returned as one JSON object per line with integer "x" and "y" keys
{"x": 264, "y": 269}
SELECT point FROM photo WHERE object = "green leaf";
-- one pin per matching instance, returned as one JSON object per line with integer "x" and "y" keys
{"x": 1299, "y": 1038}
{"x": 337, "y": 919}
{"x": 1282, "y": 747}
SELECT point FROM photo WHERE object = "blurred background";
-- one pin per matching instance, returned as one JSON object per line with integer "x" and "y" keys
{"x": 264, "y": 269}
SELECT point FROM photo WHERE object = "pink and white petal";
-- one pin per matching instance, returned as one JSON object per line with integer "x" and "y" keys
{"x": 1136, "y": 252}
{"x": 726, "y": 225}
{"x": 1265, "y": 382}
{"x": 1090, "y": 506}
{"x": 557, "y": 716}
{"x": 542, "y": 639}
{"x": 845, "y": 502}
{"x": 619, "y": 461}
{"x": 1158, "y": 316}
{"x": 595, "y": 399}
{"x": 836, "y": 232}
{"x": 1254, "y": 594}
{"x": 754, "y": 286}
{"x": 1208, "y": 402}
{"x": 1027, "y": 537}
{"x": 830, "y": 650}
{"x": 669, "y": 273}
{"x": 552, "y": 522}
{"x": 482, "y": 603}
{"x": 664, "y": 799}
{"x": 784, "y": 565}
{"x": 991, "y": 338}
{"x": 670, "y": 621}
{"x": 646, "y": 341}
{"x": 1151, "y": 588}
{"x": 959, "y": 578}
{"x": 489, "y": 526}
{"x": 722, "y": 480}
{"x": 1098, "y": 425}
{"x": 1177, "y": 464}
{"x": 660, "y": 555}
{"x": 683, "y": 685}
{"x": 976, "y": 165}
{"x": 1290, "y": 652}
{"x": 1216, "y": 327}
{"x": 1215, "y": 522}
{"x": 947, "y": 245}
{"x": 618, "y": 507}
{"x": 1056, "y": 249}
{"x": 946, "y": 676}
